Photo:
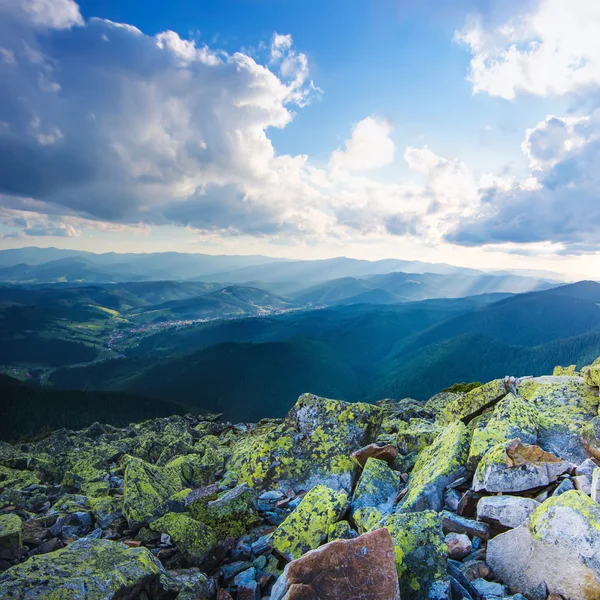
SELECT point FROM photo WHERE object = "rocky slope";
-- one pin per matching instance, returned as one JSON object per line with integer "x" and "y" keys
{"x": 485, "y": 495}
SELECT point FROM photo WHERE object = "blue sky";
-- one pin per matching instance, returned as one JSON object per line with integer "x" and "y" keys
{"x": 304, "y": 129}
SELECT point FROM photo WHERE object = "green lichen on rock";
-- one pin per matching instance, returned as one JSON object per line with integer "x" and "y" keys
{"x": 591, "y": 373}
{"x": 106, "y": 509}
{"x": 86, "y": 570}
{"x": 147, "y": 488}
{"x": 313, "y": 445}
{"x": 513, "y": 417}
{"x": 342, "y": 530}
{"x": 374, "y": 495}
{"x": 11, "y": 529}
{"x": 437, "y": 466}
{"x": 199, "y": 469}
{"x": 194, "y": 540}
{"x": 308, "y": 526}
{"x": 542, "y": 521}
{"x": 473, "y": 402}
{"x": 436, "y": 404}
{"x": 230, "y": 514}
{"x": 420, "y": 551}
{"x": 570, "y": 370}
{"x": 563, "y": 405}
{"x": 416, "y": 434}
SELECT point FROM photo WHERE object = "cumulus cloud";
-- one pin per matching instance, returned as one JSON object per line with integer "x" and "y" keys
{"x": 370, "y": 146}
{"x": 551, "y": 47}
{"x": 558, "y": 204}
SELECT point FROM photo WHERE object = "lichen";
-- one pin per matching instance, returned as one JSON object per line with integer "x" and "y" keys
{"x": 513, "y": 417}
{"x": 555, "y": 508}
{"x": 375, "y": 495}
{"x": 90, "y": 569}
{"x": 307, "y": 527}
{"x": 230, "y": 514}
{"x": 193, "y": 539}
{"x": 313, "y": 445}
{"x": 420, "y": 551}
{"x": 437, "y": 466}
{"x": 147, "y": 488}
{"x": 473, "y": 401}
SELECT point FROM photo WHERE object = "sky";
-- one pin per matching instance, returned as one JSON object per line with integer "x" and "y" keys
{"x": 466, "y": 134}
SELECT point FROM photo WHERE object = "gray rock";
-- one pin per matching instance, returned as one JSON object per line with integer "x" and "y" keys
{"x": 489, "y": 588}
{"x": 516, "y": 467}
{"x": 375, "y": 494}
{"x": 85, "y": 569}
{"x": 452, "y": 523}
{"x": 247, "y": 587}
{"x": 583, "y": 483}
{"x": 507, "y": 511}
{"x": 566, "y": 485}
{"x": 586, "y": 467}
{"x": 558, "y": 549}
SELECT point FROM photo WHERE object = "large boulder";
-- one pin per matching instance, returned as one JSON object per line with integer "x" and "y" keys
{"x": 421, "y": 552}
{"x": 307, "y": 527}
{"x": 341, "y": 570}
{"x": 516, "y": 467}
{"x": 563, "y": 405}
{"x": 442, "y": 463}
{"x": 11, "y": 536}
{"x": 194, "y": 540}
{"x": 85, "y": 570}
{"x": 230, "y": 514}
{"x": 591, "y": 374}
{"x": 313, "y": 445}
{"x": 147, "y": 489}
{"x": 474, "y": 402}
{"x": 557, "y": 550}
{"x": 513, "y": 417}
{"x": 375, "y": 495}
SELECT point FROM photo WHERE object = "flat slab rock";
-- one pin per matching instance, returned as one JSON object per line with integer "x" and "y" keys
{"x": 337, "y": 570}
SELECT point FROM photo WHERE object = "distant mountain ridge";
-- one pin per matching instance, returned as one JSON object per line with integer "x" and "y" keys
{"x": 358, "y": 352}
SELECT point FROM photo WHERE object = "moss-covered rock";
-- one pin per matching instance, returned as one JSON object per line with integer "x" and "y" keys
{"x": 230, "y": 514}
{"x": 556, "y": 550}
{"x": 590, "y": 437}
{"x": 147, "y": 489}
{"x": 420, "y": 551}
{"x": 437, "y": 466}
{"x": 569, "y": 371}
{"x": 513, "y": 417}
{"x": 591, "y": 374}
{"x": 516, "y": 467}
{"x": 313, "y": 445}
{"x": 374, "y": 495}
{"x": 194, "y": 540}
{"x": 464, "y": 406}
{"x": 199, "y": 469}
{"x": 436, "y": 404}
{"x": 563, "y": 405}
{"x": 11, "y": 536}
{"x": 308, "y": 526}
{"x": 106, "y": 509}
{"x": 88, "y": 569}
{"x": 416, "y": 434}
{"x": 342, "y": 530}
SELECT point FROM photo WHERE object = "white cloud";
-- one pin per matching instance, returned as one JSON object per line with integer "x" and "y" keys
{"x": 558, "y": 204}
{"x": 370, "y": 147}
{"x": 553, "y": 48}
{"x": 51, "y": 14}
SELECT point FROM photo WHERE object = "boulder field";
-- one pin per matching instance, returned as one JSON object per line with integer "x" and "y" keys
{"x": 482, "y": 495}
